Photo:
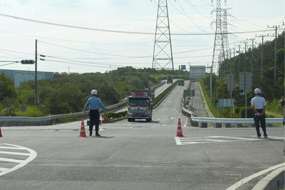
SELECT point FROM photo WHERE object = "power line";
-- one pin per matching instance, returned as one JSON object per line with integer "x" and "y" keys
{"x": 76, "y": 60}
{"x": 185, "y": 14}
{"x": 116, "y": 55}
{"x": 8, "y": 64}
{"x": 125, "y": 32}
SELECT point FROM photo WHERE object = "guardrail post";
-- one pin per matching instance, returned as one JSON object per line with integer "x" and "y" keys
{"x": 203, "y": 125}
{"x": 227, "y": 125}
{"x": 194, "y": 123}
{"x": 238, "y": 125}
{"x": 219, "y": 125}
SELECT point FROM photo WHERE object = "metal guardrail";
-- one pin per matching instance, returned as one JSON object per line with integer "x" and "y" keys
{"x": 51, "y": 117}
{"x": 208, "y": 120}
{"x": 235, "y": 120}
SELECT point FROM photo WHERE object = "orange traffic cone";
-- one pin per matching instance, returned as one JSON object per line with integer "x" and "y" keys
{"x": 102, "y": 120}
{"x": 0, "y": 132}
{"x": 82, "y": 130}
{"x": 179, "y": 130}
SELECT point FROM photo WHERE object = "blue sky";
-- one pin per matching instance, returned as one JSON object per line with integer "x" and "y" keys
{"x": 76, "y": 50}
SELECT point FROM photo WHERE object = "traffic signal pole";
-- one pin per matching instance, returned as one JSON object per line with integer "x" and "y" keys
{"x": 36, "y": 72}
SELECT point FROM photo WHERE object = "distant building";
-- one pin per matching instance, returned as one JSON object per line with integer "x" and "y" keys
{"x": 24, "y": 76}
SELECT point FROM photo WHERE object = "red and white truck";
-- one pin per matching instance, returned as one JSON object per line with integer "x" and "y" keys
{"x": 140, "y": 104}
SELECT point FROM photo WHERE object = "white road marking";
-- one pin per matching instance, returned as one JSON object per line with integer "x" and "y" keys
{"x": 3, "y": 169}
{"x": 211, "y": 139}
{"x": 15, "y": 153}
{"x": 276, "y": 138}
{"x": 11, "y": 148}
{"x": 27, "y": 157}
{"x": 178, "y": 142}
{"x": 10, "y": 160}
{"x": 186, "y": 122}
{"x": 247, "y": 179}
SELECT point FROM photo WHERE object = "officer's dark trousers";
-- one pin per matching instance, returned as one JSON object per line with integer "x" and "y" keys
{"x": 261, "y": 120}
{"x": 94, "y": 119}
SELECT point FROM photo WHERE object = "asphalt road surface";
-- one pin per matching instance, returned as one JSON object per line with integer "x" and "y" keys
{"x": 135, "y": 155}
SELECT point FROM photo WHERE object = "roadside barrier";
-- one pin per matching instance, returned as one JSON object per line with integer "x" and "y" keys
{"x": 47, "y": 120}
{"x": 179, "y": 130}
{"x": 82, "y": 129}
{"x": 227, "y": 122}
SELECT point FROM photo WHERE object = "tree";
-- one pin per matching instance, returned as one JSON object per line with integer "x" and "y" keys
{"x": 7, "y": 88}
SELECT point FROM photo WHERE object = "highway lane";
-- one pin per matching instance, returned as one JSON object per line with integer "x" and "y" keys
{"x": 140, "y": 155}
{"x": 158, "y": 91}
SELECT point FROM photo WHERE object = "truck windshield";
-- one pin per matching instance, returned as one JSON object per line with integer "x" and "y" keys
{"x": 139, "y": 102}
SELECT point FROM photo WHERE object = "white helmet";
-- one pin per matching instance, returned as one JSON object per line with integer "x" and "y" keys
{"x": 94, "y": 92}
{"x": 257, "y": 91}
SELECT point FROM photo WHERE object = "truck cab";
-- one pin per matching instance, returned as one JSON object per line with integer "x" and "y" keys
{"x": 169, "y": 80}
{"x": 180, "y": 82}
{"x": 140, "y": 105}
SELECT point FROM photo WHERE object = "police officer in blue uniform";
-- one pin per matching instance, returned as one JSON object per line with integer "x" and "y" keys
{"x": 94, "y": 104}
{"x": 259, "y": 105}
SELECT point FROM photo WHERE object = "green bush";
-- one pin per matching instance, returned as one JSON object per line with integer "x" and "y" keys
{"x": 161, "y": 96}
{"x": 32, "y": 111}
{"x": 249, "y": 112}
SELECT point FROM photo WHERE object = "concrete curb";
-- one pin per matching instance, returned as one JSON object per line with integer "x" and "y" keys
{"x": 275, "y": 180}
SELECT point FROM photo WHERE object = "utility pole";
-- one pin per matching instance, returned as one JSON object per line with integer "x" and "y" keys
{"x": 36, "y": 72}
{"x": 239, "y": 58}
{"x": 244, "y": 61}
{"x": 162, "y": 51}
{"x": 251, "y": 60}
{"x": 261, "y": 63}
{"x": 245, "y": 90}
{"x": 275, "y": 51}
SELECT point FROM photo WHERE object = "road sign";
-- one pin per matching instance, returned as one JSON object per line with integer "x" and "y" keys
{"x": 231, "y": 82}
{"x": 226, "y": 103}
{"x": 197, "y": 72}
{"x": 245, "y": 81}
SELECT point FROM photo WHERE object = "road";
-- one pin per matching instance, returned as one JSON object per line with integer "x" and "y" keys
{"x": 158, "y": 91}
{"x": 138, "y": 155}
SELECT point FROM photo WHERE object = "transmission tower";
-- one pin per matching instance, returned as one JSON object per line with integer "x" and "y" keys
{"x": 162, "y": 51}
{"x": 218, "y": 51}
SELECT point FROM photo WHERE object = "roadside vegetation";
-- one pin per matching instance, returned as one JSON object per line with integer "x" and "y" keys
{"x": 67, "y": 93}
{"x": 272, "y": 91}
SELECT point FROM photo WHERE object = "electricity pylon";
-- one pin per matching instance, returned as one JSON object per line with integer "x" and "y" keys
{"x": 162, "y": 51}
{"x": 218, "y": 51}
